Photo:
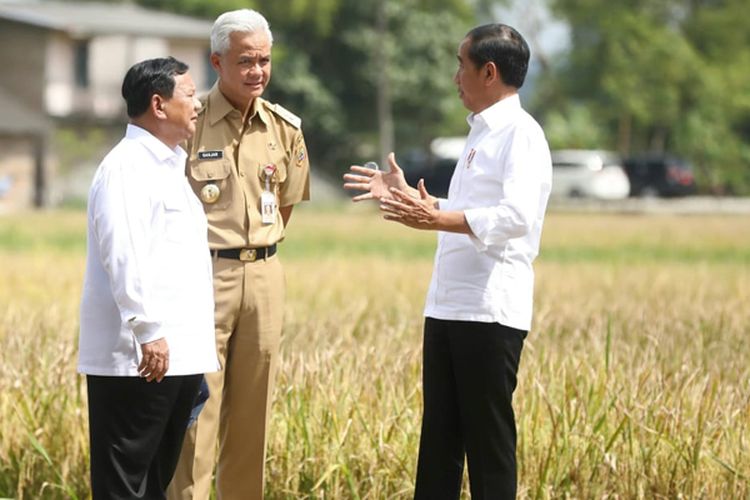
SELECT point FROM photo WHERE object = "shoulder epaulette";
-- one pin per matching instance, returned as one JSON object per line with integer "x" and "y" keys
{"x": 287, "y": 115}
{"x": 204, "y": 101}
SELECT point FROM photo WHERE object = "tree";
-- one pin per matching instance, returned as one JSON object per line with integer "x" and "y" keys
{"x": 332, "y": 59}
{"x": 661, "y": 74}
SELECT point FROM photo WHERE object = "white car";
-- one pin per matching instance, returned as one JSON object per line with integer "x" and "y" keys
{"x": 589, "y": 174}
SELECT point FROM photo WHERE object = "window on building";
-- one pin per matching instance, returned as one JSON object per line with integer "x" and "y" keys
{"x": 81, "y": 61}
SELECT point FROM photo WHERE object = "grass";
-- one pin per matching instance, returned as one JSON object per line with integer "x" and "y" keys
{"x": 633, "y": 383}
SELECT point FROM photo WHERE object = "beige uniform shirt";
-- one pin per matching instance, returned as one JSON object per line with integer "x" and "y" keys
{"x": 232, "y": 154}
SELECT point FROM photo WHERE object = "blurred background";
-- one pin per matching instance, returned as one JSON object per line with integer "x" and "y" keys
{"x": 643, "y": 98}
{"x": 634, "y": 382}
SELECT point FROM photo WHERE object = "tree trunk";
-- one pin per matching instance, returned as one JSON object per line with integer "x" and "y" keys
{"x": 385, "y": 114}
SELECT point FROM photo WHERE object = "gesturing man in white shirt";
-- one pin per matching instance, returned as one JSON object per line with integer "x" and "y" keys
{"x": 478, "y": 308}
{"x": 147, "y": 332}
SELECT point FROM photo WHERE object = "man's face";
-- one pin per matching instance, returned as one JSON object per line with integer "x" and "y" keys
{"x": 245, "y": 68}
{"x": 182, "y": 109}
{"x": 470, "y": 81}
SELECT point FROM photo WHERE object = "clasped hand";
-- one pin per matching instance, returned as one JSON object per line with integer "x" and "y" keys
{"x": 155, "y": 361}
{"x": 419, "y": 213}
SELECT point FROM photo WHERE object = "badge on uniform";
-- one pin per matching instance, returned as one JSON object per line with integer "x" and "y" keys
{"x": 210, "y": 193}
{"x": 267, "y": 198}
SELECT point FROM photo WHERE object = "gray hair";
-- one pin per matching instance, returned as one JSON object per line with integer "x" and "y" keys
{"x": 243, "y": 21}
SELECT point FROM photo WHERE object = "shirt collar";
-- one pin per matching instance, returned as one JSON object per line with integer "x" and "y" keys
{"x": 496, "y": 116}
{"x": 162, "y": 152}
{"x": 218, "y": 107}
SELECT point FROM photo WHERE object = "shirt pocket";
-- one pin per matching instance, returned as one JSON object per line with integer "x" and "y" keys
{"x": 277, "y": 179}
{"x": 204, "y": 173}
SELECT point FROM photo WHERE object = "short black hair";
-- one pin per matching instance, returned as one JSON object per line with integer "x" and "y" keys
{"x": 149, "y": 77}
{"x": 504, "y": 46}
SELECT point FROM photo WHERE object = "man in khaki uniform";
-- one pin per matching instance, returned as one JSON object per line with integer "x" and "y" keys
{"x": 248, "y": 164}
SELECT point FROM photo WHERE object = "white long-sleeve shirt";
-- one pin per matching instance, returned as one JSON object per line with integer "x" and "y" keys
{"x": 148, "y": 268}
{"x": 502, "y": 183}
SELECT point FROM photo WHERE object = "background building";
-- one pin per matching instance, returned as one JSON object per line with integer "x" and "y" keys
{"x": 62, "y": 66}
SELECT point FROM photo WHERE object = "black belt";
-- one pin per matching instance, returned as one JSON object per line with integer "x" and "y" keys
{"x": 245, "y": 254}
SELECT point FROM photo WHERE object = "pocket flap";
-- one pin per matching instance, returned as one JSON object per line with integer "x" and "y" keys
{"x": 279, "y": 174}
{"x": 210, "y": 170}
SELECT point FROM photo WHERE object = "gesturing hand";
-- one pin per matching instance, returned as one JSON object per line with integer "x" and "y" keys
{"x": 417, "y": 213}
{"x": 155, "y": 362}
{"x": 375, "y": 183}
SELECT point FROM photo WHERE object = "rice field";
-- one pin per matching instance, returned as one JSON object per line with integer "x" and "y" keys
{"x": 634, "y": 382}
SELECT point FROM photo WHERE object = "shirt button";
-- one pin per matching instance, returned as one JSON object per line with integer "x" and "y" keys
{"x": 242, "y": 174}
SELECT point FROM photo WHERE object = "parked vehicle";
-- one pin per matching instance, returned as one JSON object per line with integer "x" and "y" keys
{"x": 437, "y": 168}
{"x": 659, "y": 175}
{"x": 589, "y": 174}
{"x": 575, "y": 173}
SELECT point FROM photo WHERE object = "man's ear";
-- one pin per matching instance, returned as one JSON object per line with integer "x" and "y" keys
{"x": 491, "y": 73}
{"x": 215, "y": 61}
{"x": 157, "y": 106}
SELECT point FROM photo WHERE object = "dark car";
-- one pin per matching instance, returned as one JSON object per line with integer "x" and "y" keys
{"x": 436, "y": 172}
{"x": 659, "y": 175}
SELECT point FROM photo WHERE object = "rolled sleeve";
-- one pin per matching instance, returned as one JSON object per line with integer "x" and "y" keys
{"x": 492, "y": 226}
{"x": 516, "y": 213}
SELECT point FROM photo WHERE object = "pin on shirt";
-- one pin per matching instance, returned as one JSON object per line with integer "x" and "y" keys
{"x": 267, "y": 198}
{"x": 210, "y": 193}
{"x": 470, "y": 158}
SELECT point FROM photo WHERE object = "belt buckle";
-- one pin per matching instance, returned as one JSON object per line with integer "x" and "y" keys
{"x": 248, "y": 255}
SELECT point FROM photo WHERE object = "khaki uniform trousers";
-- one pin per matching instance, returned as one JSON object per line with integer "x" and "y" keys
{"x": 249, "y": 312}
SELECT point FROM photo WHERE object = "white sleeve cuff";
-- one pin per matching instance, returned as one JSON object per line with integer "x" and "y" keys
{"x": 479, "y": 224}
{"x": 146, "y": 332}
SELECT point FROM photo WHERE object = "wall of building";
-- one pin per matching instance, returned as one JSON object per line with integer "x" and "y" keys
{"x": 16, "y": 173}
{"x": 109, "y": 59}
{"x": 22, "y": 61}
{"x": 195, "y": 55}
{"x": 59, "y": 91}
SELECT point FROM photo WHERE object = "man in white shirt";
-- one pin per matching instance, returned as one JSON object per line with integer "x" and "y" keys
{"x": 147, "y": 332}
{"x": 479, "y": 305}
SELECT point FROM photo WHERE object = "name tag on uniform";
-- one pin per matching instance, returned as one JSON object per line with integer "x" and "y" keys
{"x": 210, "y": 155}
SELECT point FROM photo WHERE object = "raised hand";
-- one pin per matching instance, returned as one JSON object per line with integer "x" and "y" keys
{"x": 376, "y": 184}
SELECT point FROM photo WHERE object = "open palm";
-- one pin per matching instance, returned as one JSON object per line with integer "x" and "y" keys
{"x": 376, "y": 184}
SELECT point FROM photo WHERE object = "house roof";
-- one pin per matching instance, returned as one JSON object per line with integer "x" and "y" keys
{"x": 17, "y": 119}
{"x": 83, "y": 19}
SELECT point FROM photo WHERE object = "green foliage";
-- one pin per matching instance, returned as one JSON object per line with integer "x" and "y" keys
{"x": 75, "y": 147}
{"x": 575, "y": 127}
{"x": 661, "y": 75}
{"x": 326, "y": 67}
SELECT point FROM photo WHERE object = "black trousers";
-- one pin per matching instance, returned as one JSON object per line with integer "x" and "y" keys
{"x": 469, "y": 376}
{"x": 136, "y": 430}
